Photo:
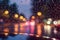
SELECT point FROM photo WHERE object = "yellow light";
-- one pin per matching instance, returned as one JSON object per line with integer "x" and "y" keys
{"x": 58, "y": 21}
{"x": 6, "y": 12}
{"x": 47, "y": 29}
{"x": 16, "y": 15}
{"x": 24, "y": 19}
{"x": 49, "y": 19}
{"x": 33, "y": 17}
{"x": 21, "y": 17}
{"x": 48, "y": 22}
{"x": 39, "y": 13}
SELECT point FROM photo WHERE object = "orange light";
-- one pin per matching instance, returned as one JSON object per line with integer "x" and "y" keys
{"x": 33, "y": 17}
{"x": 39, "y": 31}
{"x": 16, "y": 28}
{"x": 6, "y": 34}
{"x": 22, "y": 28}
{"x": 24, "y": 19}
{"x": 6, "y": 31}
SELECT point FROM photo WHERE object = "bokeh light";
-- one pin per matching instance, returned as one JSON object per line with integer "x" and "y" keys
{"x": 21, "y": 17}
{"x": 6, "y": 12}
{"x": 16, "y": 15}
{"x": 39, "y": 13}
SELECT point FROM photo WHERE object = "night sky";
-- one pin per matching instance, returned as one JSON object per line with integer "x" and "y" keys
{"x": 24, "y": 6}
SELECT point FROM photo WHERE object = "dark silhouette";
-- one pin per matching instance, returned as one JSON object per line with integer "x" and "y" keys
{"x": 49, "y": 8}
{"x": 13, "y": 10}
{"x": 4, "y": 5}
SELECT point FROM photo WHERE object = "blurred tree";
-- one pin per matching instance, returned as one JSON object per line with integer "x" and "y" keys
{"x": 13, "y": 9}
{"x": 22, "y": 15}
{"x": 5, "y": 4}
{"x": 10, "y": 10}
{"x": 49, "y": 8}
{"x": 38, "y": 6}
{"x": 53, "y": 9}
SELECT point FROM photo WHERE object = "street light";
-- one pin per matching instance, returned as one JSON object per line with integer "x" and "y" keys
{"x": 6, "y": 12}
{"x": 24, "y": 19}
{"x": 21, "y": 17}
{"x": 39, "y": 13}
{"x": 16, "y": 15}
{"x": 33, "y": 17}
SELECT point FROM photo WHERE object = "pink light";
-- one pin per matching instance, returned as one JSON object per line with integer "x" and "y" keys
{"x": 32, "y": 23}
{"x": 27, "y": 23}
{"x": 32, "y": 26}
